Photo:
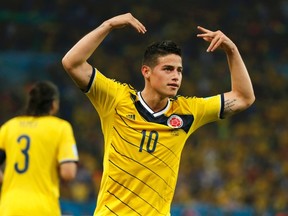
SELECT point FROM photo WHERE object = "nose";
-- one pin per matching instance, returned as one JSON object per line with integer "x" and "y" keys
{"x": 176, "y": 75}
{"x": 175, "y": 79}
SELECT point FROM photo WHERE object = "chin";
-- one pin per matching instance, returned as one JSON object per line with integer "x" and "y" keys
{"x": 172, "y": 94}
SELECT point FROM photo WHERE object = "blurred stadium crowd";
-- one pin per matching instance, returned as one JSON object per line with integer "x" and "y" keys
{"x": 238, "y": 162}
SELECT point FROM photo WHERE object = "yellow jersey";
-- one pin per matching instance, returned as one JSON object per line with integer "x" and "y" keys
{"x": 143, "y": 148}
{"x": 34, "y": 147}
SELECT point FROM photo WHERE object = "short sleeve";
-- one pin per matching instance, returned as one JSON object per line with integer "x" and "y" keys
{"x": 67, "y": 145}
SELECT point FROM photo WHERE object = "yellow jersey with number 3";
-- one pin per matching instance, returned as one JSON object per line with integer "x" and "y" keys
{"x": 34, "y": 147}
{"x": 143, "y": 148}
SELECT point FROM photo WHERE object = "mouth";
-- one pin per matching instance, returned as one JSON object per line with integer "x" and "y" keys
{"x": 173, "y": 85}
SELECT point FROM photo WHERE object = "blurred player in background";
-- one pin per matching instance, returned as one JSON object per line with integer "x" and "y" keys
{"x": 145, "y": 131}
{"x": 38, "y": 147}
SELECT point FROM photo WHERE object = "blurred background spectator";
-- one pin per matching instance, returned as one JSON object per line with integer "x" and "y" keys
{"x": 238, "y": 163}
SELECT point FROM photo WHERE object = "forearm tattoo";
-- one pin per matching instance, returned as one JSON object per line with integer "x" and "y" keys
{"x": 229, "y": 105}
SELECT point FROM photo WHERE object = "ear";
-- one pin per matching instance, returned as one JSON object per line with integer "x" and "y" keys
{"x": 146, "y": 70}
{"x": 54, "y": 107}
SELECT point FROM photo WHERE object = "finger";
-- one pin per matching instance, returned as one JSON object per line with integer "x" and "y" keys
{"x": 139, "y": 26}
{"x": 215, "y": 43}
{"x": 205, "y": 37}
{"x": 203, "y": 29}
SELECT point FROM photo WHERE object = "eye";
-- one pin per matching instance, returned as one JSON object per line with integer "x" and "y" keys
{"x": 168, "y": 68}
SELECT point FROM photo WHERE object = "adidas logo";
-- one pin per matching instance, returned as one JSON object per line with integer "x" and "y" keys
{"x": 131, "y": 116}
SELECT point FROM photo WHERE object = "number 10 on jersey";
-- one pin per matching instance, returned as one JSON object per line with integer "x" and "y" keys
{"x": 148, "y": 142}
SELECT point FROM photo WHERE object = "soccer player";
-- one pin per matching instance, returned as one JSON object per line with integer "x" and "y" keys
{"x": 145, "y": 131}
{"x": 38, "y": 147}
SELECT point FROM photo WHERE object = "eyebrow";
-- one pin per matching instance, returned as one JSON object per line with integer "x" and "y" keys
{"x": 172, "y": 67}
{"x": 167, "y": 65}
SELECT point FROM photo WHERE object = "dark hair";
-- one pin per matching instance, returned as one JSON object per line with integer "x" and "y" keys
{"x": 157, "y": 49}
{"x": 40, "y": 99}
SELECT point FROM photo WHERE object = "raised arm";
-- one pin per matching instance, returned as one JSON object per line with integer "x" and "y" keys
{"x": 241, "y": 95}
{"x": 75, "y": 61}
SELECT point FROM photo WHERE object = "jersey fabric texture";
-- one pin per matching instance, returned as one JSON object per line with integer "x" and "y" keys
{"x": 34, "y": 147}
{"x": 143, "y": 148}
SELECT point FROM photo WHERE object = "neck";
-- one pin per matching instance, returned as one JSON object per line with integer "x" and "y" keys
{"x": 155, "y": 102}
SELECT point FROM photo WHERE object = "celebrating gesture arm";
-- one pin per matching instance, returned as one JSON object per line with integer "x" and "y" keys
{"x": 75, "y": 61}
{"x": 241, "y": 95}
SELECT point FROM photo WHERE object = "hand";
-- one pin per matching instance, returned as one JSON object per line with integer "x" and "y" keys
{"x": 123, "y": 20}
{"x": 216, "y": 39}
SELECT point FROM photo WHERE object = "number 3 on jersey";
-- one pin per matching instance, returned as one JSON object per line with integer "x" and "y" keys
{"x": 26, "y": 141}
{"x": 153, "y": 137}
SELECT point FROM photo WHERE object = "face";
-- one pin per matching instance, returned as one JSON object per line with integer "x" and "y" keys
{"x": 165, "y": 78}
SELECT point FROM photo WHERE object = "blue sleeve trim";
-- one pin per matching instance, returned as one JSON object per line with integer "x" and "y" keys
{"x": 91, "y": 80}
{"x": 2, "y": 156}
{"x": 222, "y": 107}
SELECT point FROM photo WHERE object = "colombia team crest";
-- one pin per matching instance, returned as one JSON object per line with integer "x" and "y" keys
{"x": 175, "y": 121}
